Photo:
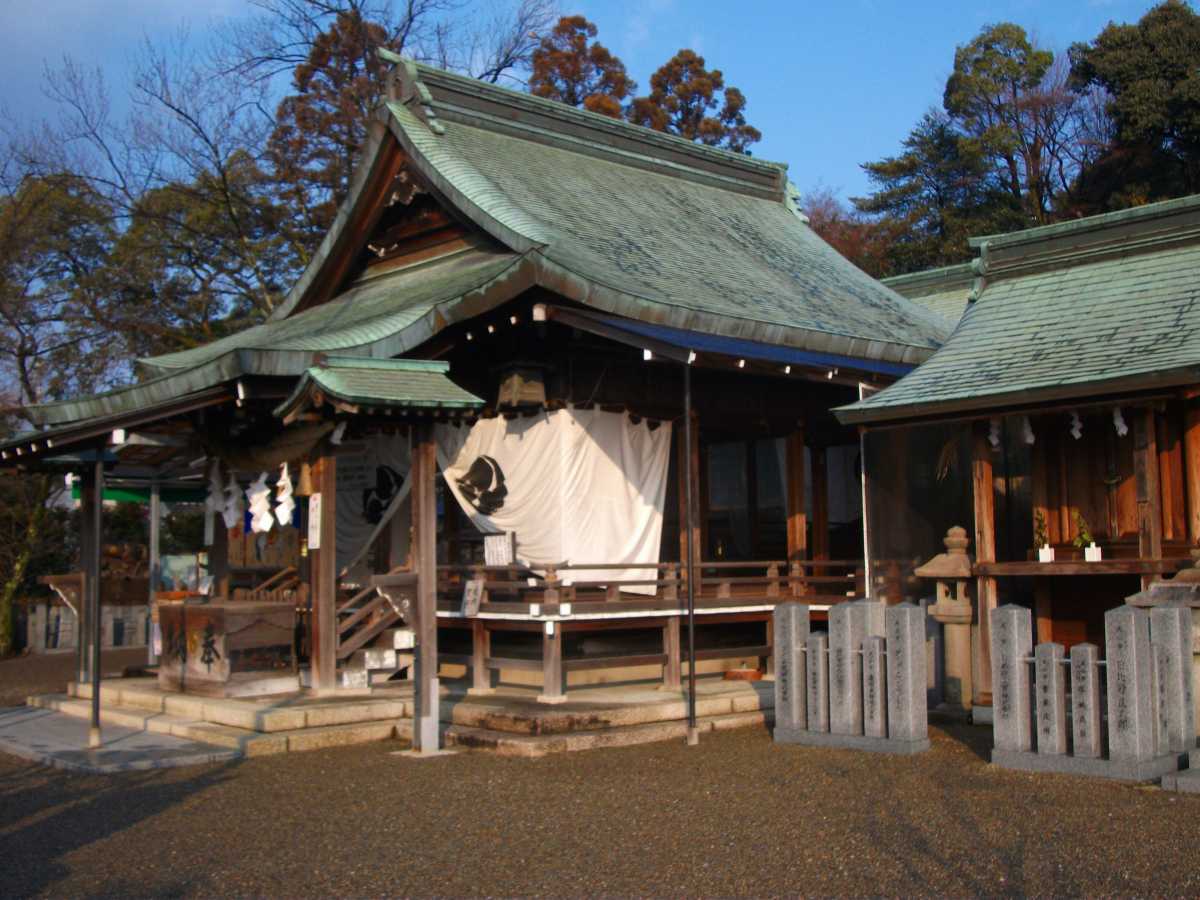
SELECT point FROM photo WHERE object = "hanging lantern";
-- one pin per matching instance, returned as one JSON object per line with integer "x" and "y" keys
{"x": 1027, "y": 430}
{"x": 304, "y": 484}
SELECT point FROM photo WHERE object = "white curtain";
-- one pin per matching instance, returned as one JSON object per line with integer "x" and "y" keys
{"x": 372, "y": 483}
{"x": 576, "y": 486}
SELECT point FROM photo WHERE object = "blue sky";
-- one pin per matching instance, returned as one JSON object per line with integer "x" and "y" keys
{"x": 830, "y": 84}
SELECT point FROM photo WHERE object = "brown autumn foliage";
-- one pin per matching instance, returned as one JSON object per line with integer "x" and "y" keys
{"x": 320, "y": 129}
{"x": 865, "y": 242}
{"x": 570, "y": 66}
{"x": 693, "y": 102}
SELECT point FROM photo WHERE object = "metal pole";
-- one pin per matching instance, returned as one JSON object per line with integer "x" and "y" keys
{"x": 155, "y": 566}
{"x": 93, "y": 585}
{"x": 693, "y": 734}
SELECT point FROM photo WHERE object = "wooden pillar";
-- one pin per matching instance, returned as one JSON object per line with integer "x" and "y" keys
{"x": 1191, "y": 469}
{"x": 481, "y": 649}
{"x": 218, "y": 559}
{"x": 820, "y": 503}
{"x": 985, "y": 551}
{"x": 1166, "y": 487}
{"x": 797, "y": 518}
{"x": 688, "y": 467}
{"x": 323, "y": 654}
{"x": 92, "y": 595}
{"x": 1149, "y": 497}
{"x": 752, "y": 499}
{"x": 155, "y": 562}
{"x": 424, "y": 553}
{"x": 88, "y": 548}
{"x": 673, "y": 667}
{"x": 1043, "y": 610}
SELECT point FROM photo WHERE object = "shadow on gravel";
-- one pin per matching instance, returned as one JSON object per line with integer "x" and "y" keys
{"x": 47, "y": 815}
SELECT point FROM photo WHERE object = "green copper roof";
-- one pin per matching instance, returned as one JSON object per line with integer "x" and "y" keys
{"x": 380, "y": 317}
{"x": 944, "y": 291}
{"x": 391, "y": 383}
{"x": 1085, "y": 309}
{"x": 676, "y": 241}
{"x": 618, "y": 218}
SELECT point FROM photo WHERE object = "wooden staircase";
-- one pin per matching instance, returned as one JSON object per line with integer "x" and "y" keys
{"x": 370, "y": 645}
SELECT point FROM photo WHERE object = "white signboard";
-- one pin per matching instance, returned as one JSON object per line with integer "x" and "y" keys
{"x": 314, "y": 522}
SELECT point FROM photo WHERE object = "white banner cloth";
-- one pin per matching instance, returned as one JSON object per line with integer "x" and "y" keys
{"x": 576, "y": 486}
{"x": 372, "y": 480}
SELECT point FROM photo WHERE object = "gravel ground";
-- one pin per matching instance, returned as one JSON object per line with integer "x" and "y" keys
{"x": 737, "y": 815}
{"x": 48, "y": 673}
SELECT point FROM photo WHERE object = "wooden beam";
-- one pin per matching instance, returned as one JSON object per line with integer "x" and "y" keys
{"x": 324, "y": 567}
{"x": 1162, "y": 441}
{"x": 1149, "y": 495}
{"x": 982, "y": 487}
{"x": 1191, "y": 469}
{"x": 424, "y": 516}
{"x": 820, "y": 503}
{"x": 797, "y": 517}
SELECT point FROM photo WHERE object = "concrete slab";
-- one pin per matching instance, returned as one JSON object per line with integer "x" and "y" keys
{"x": 60, "y": 740}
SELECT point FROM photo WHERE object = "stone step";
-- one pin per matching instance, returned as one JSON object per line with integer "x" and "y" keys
{"x": 504, "y": 715}
{"x": 246, "y": 742}
{"x": 398, "y": 639}
{"x": 1185, "y": 782}
{"x": 505, "y": 743}
{"x": 372, "y": 658}
{"x": 142, "y": 695}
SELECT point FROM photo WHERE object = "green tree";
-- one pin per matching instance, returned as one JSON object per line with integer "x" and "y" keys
{"x": 570, "y": 66}
{"x": 693, "y": 102}
{"x": 937, "y": 193}
{"x": 1151, "y": 74}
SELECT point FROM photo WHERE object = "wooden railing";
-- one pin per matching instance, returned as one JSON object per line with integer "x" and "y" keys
{"x": 719, "y": 584}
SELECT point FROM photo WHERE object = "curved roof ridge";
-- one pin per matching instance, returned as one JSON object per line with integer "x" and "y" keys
{"x": 438, "y": 94}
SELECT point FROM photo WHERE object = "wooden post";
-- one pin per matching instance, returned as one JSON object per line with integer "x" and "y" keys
{"x": 1149, "y": 497}
{"x": 1166, "y": 488}
{"x": 820, "y": 486}
{"x": 155, "y": 563}
{"x": 985, "y": 551}
{"x": 1043, "y": 610}
{"x": 218, "y": 559}
{"x": 91, "y": 593}
{"x": 684, "y": 470}
{"x": 552, "y": 668}
{"x": 481, "y": 675}
{"x": 797, "y": 518}
{"x": 424, "y": 516}
{"x": 1191, "y": 469}
{"x": 88, "y": 548}
{"x": 324, "y": 609}
{"x": 673, "y": 667}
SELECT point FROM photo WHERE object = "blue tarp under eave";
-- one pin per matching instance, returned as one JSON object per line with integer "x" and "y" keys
{"x": 727, "y": 346}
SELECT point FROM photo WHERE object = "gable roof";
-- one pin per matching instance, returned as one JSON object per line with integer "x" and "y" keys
{"x": 943, "y": 291}
{"x": 1084, "y": 309}
{"x": 619, "y": 218}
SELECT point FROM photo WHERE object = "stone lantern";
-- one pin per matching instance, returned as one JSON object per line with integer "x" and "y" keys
{"x": 952, "y": 572}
